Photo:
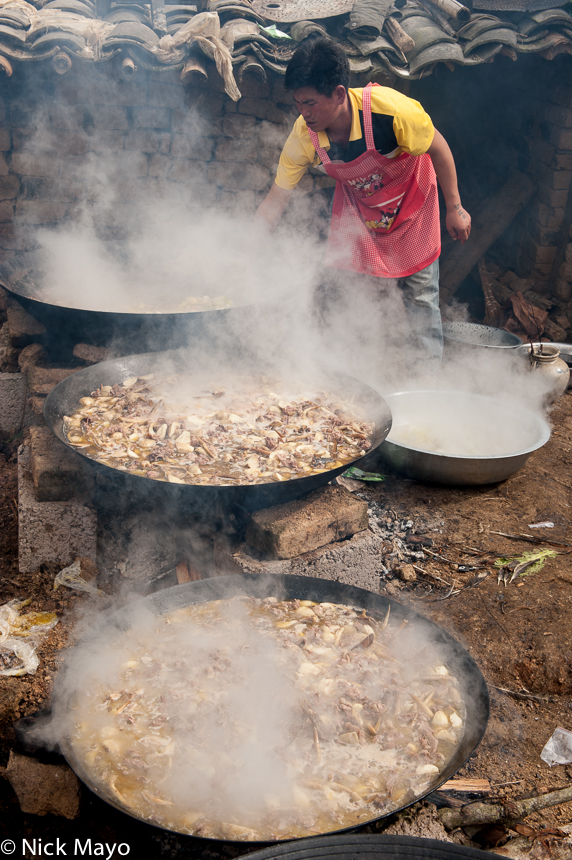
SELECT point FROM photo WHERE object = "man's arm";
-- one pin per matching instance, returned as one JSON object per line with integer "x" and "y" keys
{"x": 272, "y": 207}
{"x": 458, "y": 221}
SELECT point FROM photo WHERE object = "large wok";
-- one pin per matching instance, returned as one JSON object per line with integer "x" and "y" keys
{"x": 472, "y": 685}
{"x": 64, "y": 399}
{"x": 126, "y": 331}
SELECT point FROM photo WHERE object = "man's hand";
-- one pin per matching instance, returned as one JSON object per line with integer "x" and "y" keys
{"x": 272, "y": 207}
{"x": 458, "y": 223}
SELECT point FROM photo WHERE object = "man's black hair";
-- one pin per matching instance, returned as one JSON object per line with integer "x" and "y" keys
{"x": 319, "y": 63}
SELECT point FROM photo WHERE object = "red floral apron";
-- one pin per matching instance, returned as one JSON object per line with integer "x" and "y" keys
{"x": 385, "y": 217}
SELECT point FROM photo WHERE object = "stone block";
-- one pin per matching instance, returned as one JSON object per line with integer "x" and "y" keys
{"x": 91, "y": 354}
{"x": 253, "y": 107}
{"x": 555, "y": 332}
{"x": 43, "y": 788}
{"x": 568, "y": 252}
{"x": 41, "y": 380}
{"x": 5, "y": 141}
{"x": 40, "y": 211}
{"x": 6, "y": 300}
{"x": 562, "y": 161}
{"x": 545, "y": 216}
{"x": 559, "y": 180}
{"x": 561, "y": 94}
{"x": 561, "y": 137}
{"x": 166, "y": 95}
{"x": 244, "y": 201}
{"x": 24, "y": 329}
{"x": 34, "y": 164}
{"x": 280, "y": 94}
{"x": 130, "y": 93}
{"x": 239, "y": 177}
{"x": 6, "y": 212}
{"x": 152, "y": 117}
{"x": 65, "y": 116}
{"x": 58, "y": 474}
{"x": 8, "y": 353}
{"x": 106, "y": 140}
{"x": 66, "y": 142}
{"x": 183, "y": 170}
{"x": 556, "y": 199}
{"x": 279, "y": 116}
{"x": 239, "y": 126}
{"x": 33, "y": 355}
{"x": 326, "y": 515}
{"x": 4, "y": 169}
{"x": 563, "y": 289}
{"x": 36, "y": 408}
{"x": 201, "y": 195}
{"x": 198, "y": 148}
{"x": 109, "y": 116}
{"x": 544, "y": 235}
{"x": 147, "y": 140}
{"x": 539, "y": 253}
{"x": 206, "y": 103}
{"x": 565, "y": 271}
{"x": 14, "y": 411}
{"x": 559, "y": 115}
{"x": 252, "y": 87}
{"x": 11, "y": 239}
{"x": 9, "y": 187}
{"x": 55, "y": 532}
{"x": 237, "y": 150}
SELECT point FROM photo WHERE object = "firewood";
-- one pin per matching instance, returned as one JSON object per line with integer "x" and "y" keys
{"x": 509, "y": 811}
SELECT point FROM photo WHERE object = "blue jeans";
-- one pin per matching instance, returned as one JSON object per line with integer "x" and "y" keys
{"x": 420, "y": 294}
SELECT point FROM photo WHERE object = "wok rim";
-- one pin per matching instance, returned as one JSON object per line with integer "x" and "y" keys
{"x": 234, "y": 584}
{"x": 542, "y": 425}
{"x": 51, "y": 406}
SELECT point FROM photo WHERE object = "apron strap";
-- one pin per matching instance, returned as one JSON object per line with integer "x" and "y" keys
{"x": 324, "y": 157}
{"x": 366, "y": 110}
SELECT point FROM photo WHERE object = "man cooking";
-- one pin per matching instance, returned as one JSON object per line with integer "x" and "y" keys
{"x": 385, "y": 155}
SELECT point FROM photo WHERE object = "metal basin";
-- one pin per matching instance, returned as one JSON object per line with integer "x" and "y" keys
{"x": 475, "y": 335}
{"x": 459, "y": 438}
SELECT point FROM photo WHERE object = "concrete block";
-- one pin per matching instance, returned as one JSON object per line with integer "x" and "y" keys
{"x": 326, "y": 515}
{"x": 8, "y": 353}
{"x": 50, "y": 531}
{"x": 41, "y": 380}
{"x": 24, "y": 329}
{"x": 43, "y": 788}
{"x": 12, "y": 403}
{"x": 58, "y": 473}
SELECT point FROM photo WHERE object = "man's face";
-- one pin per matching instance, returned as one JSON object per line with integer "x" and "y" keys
{"x": 318, "y": 111}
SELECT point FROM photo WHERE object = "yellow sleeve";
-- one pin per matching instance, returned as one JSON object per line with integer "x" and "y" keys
{"x": 297, "y": 156}
{"x": 412, "y": 126}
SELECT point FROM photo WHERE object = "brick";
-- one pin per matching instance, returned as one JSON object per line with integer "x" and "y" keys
{"x": 11, "y": 240}
{"x": 559, "y": 115}
{"x": 552, "y": 198}
{"x": 106, "y": 140}
{"x": 63, "y": 116}
{"x": 326, "y": 515}
{"x": 32, "y": 164}
{"x": 199, "y": 148}
{"x": 239, "y": 126}
{"x": 146, "y": 140}
{"x": 544, "y": 236}
{"x": 546, "y": 216}
{"x": 252, "y": 87}
{"x": 129, "y": 93}
{"x": 41, "y": 380}
{"x": 91, "y": 354}
{"x": 206, "y": 103}
{"x": 184, "y": 170}
{"x": 40, "y": 211}
{"x": 165, "y": 95}
{"x": 561, "y": 137}
{"x": 151, "y": 117}
{"x": 14, "y": 412}
{"x": 5, "y": 142}
{"x": 24, "y": 329}
{"x": 275, "y": 114}
{"x": 239, "y": 177}
{"x": 55, "y": 532}
{"x": 58, "y": 474}
{"x": 557, "y": 179}
{"x": 66, "y": 142}
{"x": 43, "y": 788}
{"x": 561, "y": 94}
{"x": 109, "y": 116}
{"x": 25, "y": 118}
{"x": 237, "y": 150}
{"x": 280, "y": 93}
{"x": 130, "y": 164}
{"x": 6, "y": 211}
{"x": 33, "y": 355}
{"x": 562, "y": 161}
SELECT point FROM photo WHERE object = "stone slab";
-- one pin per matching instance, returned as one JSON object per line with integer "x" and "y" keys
{"x": 50, "y": 531}
{"x": 357, "y": 561}
{"x": 43, "y": 788}
{"x": 24, "y": 329}
{"x": 326, "y": 515}
{"x": 58, "y": 473}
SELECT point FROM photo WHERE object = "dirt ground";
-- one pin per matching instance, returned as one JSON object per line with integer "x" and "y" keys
{"x": 519, "y": 634}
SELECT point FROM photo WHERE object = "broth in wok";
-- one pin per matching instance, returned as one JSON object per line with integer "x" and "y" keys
{"x": 262, "y": 719}
{"x": 159, "y": 427}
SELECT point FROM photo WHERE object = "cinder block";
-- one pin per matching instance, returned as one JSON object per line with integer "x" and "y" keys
{"x": 50, "y": 531}
{"x": 8, "y": 354}
{"x": 326, "y": 515}
{"x": 58, "y": 473}
{"x": 12, "y": 403}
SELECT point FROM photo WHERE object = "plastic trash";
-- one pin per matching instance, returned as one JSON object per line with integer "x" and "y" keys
{"x": 558, "y": 748}
{"x": 546, "y": 525}
{"x": 358, "y": 475}
{"x": 20, "y": 636}
{"x": 71, "y": 577}
{"x": 274, "y": 32}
